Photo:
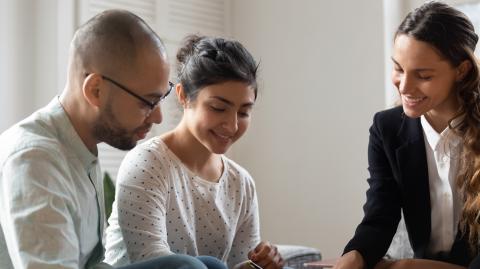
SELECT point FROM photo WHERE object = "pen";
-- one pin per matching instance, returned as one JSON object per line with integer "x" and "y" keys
{"x": 254, "y": 265}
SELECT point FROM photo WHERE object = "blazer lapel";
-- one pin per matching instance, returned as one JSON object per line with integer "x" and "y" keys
{"x": 413, "y": 175}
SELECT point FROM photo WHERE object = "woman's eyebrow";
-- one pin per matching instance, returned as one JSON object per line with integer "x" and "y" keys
{"x": 230, "y": 103}
{"x": 417, "y": 69}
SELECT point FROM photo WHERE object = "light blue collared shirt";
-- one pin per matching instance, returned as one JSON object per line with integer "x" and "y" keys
{"x": 51, "y": 195}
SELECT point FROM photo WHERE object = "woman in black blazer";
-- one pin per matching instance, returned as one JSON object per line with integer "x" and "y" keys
{"x": 424, "y": 156}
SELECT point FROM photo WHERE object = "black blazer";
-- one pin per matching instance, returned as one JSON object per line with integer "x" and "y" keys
{"x": 398, "y": 181}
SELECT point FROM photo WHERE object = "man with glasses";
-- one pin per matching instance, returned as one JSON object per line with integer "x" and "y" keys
{"x": 51, "y": 192}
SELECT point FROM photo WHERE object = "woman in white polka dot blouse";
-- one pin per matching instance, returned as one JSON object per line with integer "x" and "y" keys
{"x": 178, "y": 193}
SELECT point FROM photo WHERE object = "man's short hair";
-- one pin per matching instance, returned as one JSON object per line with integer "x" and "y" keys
{"x": 110, "y": 41}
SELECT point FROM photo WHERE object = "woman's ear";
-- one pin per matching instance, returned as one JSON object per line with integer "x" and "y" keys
{"x": 181, "y": 96}
{"x": 463, "y": 69}
{"x": 91, "y": 89}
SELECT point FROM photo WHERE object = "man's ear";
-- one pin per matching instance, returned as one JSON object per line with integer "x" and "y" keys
{"x": 91, "y": 89}
{"x": 463, "y": 69}
{"x": 181, "y": 96}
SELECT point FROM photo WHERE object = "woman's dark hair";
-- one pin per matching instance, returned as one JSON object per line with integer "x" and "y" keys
{"x": 452, "y": 34}
{"x": 204, "y": 61}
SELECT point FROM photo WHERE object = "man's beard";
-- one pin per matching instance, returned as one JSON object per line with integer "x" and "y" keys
{"x": 107, "y": 129}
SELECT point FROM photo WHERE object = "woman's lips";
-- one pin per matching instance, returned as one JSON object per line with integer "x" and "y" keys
{"x": 413, "y": 101}
{"x": 222, "y": 137}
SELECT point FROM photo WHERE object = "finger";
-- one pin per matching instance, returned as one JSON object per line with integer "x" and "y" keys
{"x": 271, "y": 265}
{"x": 255, "y": 250}
{"x": 273, "y": 253}
{"x": 259, "y": 247}
{"x": 265, "y": 263}
{"x": 271, "y": 259}
{"x": 250, "y": 254}
{"x": 277, "y": 260}
{"x": 263, "y": 252}
{"x": 253, "y": 254}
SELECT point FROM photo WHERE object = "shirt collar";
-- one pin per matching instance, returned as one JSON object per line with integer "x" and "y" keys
{"x": 433, "y": 138}
{"x": 68, "y": 136}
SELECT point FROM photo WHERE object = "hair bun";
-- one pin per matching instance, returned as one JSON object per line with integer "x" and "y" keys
{"x": 188, "y": 48}
{"x": 203, "y": 61}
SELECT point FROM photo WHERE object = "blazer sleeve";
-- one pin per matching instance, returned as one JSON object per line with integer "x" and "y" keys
{"x": 475, "y": 264}
{"x": 374, "y": 234}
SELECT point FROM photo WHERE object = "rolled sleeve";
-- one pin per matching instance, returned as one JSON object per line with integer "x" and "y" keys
{"x": 35, "y": 212}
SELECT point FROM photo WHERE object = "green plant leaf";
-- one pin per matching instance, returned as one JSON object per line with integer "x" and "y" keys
{"x": 109, "y": 193}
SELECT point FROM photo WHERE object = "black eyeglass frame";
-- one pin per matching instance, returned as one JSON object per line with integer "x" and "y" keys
{"x": 152, "y": 105}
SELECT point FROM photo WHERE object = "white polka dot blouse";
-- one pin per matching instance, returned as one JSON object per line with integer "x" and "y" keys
{"x": 162, "y": 208}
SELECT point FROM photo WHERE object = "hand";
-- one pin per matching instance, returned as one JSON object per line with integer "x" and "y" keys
{"x": 415, "y": 264}
{"x": 386, "y": 264}
{"x": 350, "y": 260}
{"x": 266, "y": 255}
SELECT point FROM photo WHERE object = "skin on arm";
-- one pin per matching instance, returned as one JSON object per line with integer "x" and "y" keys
{"x": 415, "y": 264}
{"x": 351, "y": 260}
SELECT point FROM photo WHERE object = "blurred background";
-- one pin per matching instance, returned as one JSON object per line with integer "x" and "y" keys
{"x": 324, "y": 72}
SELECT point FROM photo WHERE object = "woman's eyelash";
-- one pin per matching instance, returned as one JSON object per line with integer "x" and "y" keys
{"x": 217, "y": 109}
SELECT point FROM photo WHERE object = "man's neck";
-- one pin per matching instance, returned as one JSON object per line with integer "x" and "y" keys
{"x": 79, "y": 122}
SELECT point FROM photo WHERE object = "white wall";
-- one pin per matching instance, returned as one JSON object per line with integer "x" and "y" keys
{"x": 28, "y": 57}
{"x": 15, "y": 65}
{"x": 45, "y": 60}
{"x": 321, "y": 82}
{"x": 394, "y": 11}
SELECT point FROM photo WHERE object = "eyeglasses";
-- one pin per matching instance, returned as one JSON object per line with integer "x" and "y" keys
{"x": 150, "y": 104}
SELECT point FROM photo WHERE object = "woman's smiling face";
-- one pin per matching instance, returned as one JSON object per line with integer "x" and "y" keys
{"x": 424, "y": 79}
{"x": 220, "y": 114}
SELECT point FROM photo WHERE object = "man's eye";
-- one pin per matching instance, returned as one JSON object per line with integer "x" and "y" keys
{"x": 145, "y": 105}
{"x": 156, "y": 100}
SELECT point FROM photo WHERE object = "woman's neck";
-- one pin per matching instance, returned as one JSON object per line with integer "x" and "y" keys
{"x": 193, "y": 154}
{"x": 438, "y": 122}
{"x": 440, "y": 116}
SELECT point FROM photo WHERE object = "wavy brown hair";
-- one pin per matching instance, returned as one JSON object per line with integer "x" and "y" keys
{"x": 452, "y": 34}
